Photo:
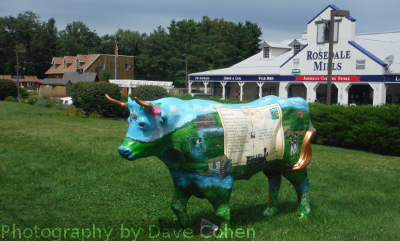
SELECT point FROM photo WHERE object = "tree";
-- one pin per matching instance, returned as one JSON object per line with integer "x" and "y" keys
{"x": 129, "y": 42}
{"x": 27, "y": 32}
{"x": 243, "y": 42}
{"x": 214, "y": 37}
{"x": 107, "y": 45}
{"x": 77, "y": 38}
{"x": 106, "y": 76}
{"x": 155, "y": 57}
{"x": 6, "y": 48}
{"x": 181, "y": 38}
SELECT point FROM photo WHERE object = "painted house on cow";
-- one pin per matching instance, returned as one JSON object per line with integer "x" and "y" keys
{"x": 365, "y": 67}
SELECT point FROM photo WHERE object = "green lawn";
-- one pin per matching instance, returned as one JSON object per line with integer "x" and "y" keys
{"x": 62, "y": 178}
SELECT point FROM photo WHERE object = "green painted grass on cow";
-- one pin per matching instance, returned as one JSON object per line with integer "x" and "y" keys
{"x": 62, "y": 175}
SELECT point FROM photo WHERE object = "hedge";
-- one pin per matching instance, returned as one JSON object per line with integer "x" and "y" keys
{"x": 365, "y": 127}
{"x": 90, "y": 97}
{"x": 149, "y": 92}
{"x": 8, "y": 88}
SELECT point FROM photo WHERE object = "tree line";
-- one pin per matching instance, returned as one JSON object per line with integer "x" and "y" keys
{"x": 161, "y": 55}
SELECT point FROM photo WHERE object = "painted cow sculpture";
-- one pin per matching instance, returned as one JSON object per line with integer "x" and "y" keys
{"x": 207, "y": 145}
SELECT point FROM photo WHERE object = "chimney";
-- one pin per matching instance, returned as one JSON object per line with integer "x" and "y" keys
{"x": 80, "y": 71}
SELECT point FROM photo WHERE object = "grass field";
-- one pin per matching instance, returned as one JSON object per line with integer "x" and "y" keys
{"x": 62, "y": 178}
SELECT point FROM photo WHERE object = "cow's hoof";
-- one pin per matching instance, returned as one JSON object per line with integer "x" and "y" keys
{"x": 270, "y": 212}
{"x": 303, "y": 216}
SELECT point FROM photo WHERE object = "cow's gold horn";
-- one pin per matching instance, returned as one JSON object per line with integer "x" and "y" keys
{"x": 117, "y": 102}
{"x": 144, "y": 103}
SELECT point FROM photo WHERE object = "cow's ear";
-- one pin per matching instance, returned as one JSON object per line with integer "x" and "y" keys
{"x": 129, "y": 99}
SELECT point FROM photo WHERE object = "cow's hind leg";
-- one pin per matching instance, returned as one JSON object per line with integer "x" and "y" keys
{"x": 179, "y": 206}
{"x": 300, "y": 183}
{"x": 222, "y": 210}
{"x": 274, "y": 183}
{"x": 219, "y": 196}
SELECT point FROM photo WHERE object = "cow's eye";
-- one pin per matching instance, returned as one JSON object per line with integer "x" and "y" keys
{"x": 141, "y": 124}
{"x": 133, "y": 117}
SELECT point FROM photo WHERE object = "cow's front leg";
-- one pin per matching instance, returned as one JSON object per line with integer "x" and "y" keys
{"x": 300, "y": 183}
{"x": 274, "y": 183}
{"x": 179, "y": 206}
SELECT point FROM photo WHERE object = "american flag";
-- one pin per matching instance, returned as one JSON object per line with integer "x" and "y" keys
{"x": 116, "y": 50}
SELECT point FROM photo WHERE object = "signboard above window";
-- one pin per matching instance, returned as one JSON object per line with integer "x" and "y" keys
{"x": 323, "y": 31}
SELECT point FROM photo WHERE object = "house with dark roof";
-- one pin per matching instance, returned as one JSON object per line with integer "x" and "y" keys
{"x": 24, "y": 80}
{"x": 61, "y": 87}
{"x": 365, "y": 67}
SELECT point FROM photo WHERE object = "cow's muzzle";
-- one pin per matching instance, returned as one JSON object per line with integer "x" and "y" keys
{"x": 126, "y": 152}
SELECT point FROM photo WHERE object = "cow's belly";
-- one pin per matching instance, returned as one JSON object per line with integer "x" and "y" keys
{"x": 201, "y": 185}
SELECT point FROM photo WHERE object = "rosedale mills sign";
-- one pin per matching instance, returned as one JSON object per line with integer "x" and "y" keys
{"x": 320, "y": 65}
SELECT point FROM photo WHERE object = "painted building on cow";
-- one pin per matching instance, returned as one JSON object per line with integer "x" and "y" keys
{"x": 365, "y": 69}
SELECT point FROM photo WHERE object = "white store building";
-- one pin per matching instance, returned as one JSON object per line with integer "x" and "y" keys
{"x": 365, "y": 69}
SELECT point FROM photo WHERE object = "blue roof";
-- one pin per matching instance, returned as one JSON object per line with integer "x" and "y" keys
{"x": 334, "y": 8}
{"x": 293, "y": 56}
{"x": 366, "y": 52}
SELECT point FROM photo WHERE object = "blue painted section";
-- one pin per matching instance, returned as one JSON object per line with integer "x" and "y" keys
{"x": 363, "y": 78}
{"x": 392, "y": 78}
{"x": 274, "y": 184}
{"x": 303, "y": 187}
{"x": 258, "y": 78}
{"x": 294, "y": 55}
{"x": 334, "y": 8}
{"x": 176, "y": 113}
{"x": 200, "y": 180}
{"x": 366, "y": 52}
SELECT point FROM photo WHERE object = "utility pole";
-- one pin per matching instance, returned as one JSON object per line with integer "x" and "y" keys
{"x": 19, "y": 95}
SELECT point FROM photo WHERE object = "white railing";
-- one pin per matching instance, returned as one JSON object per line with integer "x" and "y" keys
{"x": 135, "y": 83}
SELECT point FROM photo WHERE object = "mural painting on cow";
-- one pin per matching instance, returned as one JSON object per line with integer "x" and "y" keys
{"x": 207, "y": 145}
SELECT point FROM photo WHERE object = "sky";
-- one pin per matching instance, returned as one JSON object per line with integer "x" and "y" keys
{"x": 278, "y": 19}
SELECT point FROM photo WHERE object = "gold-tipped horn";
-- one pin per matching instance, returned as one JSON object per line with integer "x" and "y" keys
{"x": 143, "y": 103}
{"x": 116, "y": 102}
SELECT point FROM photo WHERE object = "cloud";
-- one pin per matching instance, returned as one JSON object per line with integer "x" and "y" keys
{"x": 173, "y": 110}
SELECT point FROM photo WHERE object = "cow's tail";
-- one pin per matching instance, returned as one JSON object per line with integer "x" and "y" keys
{"x": 306, "y": 152}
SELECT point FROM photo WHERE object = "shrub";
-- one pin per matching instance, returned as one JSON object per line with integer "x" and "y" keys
{"x": 124, "y": 98}
{"x": 95, "y": 115}
{"x": 60, "y": 106}
{"x": 24, "y": 93}
{"x": 72, "y": 112}
{"x": 149, "y": 92}
{"x": 50, "y": 103}
{"x": 32, "y": 100}
{"x": 10, "y": 99}
{"x": 41, "y": 102}
{"x": 45, "y": 101}
{"x": 8, "y": 88}
{"x": 365, "y": 127}
{"x": 106, "y": 76}
{"x": 90, "y": 96}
